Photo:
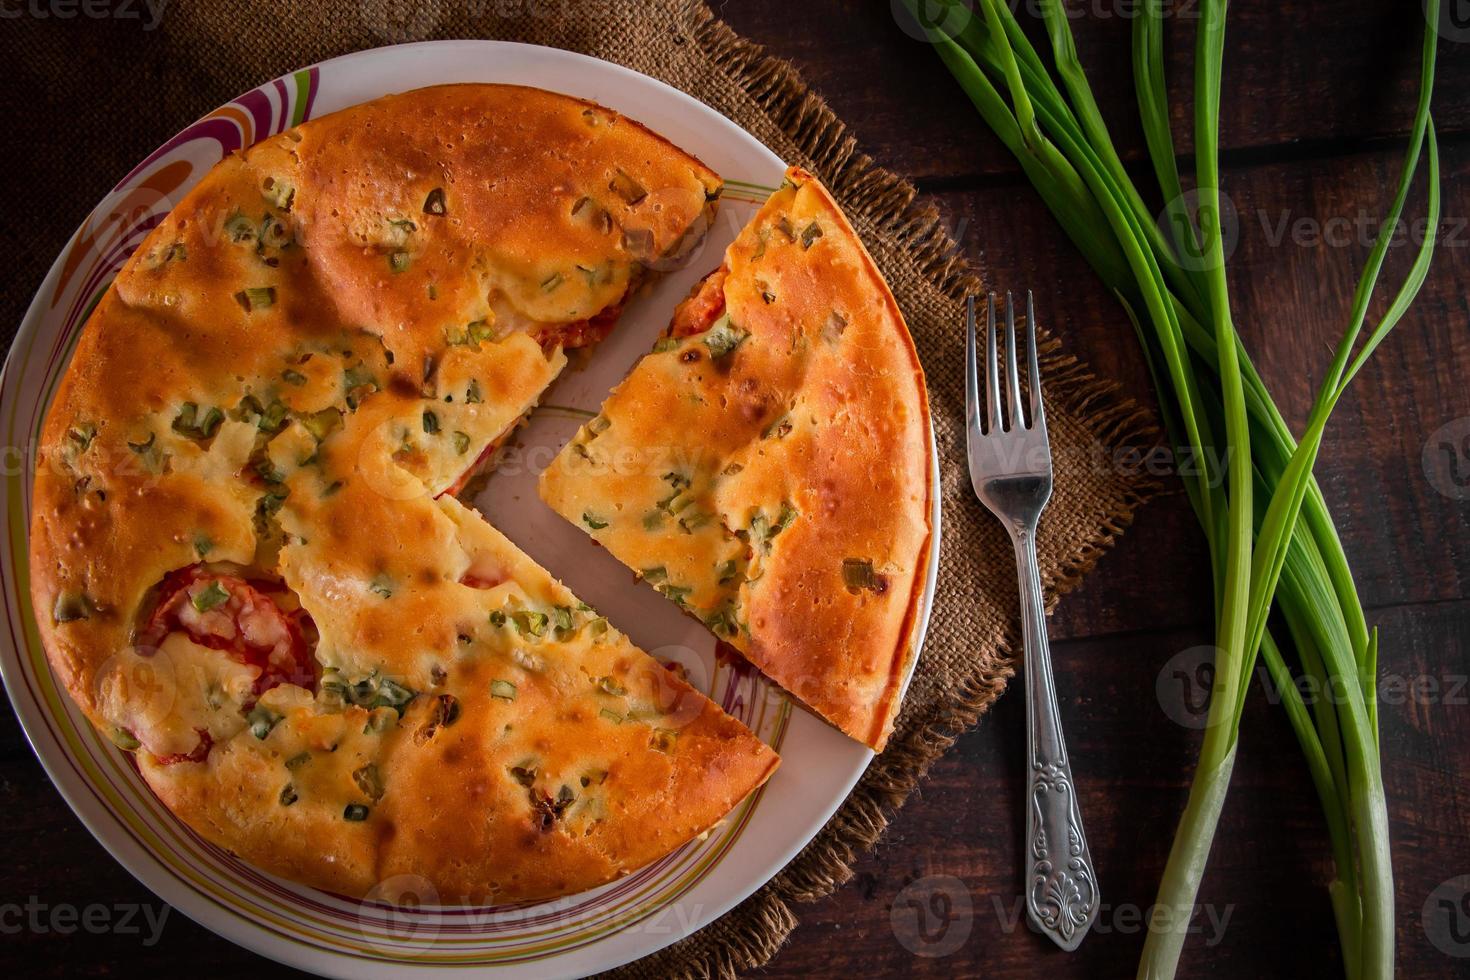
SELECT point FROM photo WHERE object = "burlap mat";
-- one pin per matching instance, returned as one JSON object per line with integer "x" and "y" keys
{"x": 88, "y": 99}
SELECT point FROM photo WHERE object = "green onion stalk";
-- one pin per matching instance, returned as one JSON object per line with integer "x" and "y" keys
{"x": 1272, "y": 544}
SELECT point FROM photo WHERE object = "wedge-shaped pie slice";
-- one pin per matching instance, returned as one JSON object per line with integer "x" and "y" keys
{"x": 767, "y": 466}
{"x": 247, "y": 562}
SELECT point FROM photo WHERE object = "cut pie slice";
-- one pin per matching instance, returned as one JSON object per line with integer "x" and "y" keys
{"x": 767, "y": 466}
{"x": 247, "y": 562}
{"x": 474, "y": 724}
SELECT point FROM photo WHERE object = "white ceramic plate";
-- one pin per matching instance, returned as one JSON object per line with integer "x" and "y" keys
{"x": 329, "y": 934}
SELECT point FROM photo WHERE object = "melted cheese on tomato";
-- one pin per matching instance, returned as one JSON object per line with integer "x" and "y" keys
{"x": 165, "y": 698}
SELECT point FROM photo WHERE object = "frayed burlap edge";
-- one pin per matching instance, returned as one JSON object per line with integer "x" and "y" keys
{"x": 751, "y": 934}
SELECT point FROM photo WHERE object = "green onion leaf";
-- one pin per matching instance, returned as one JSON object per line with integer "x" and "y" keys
{"x": 626, "y": 187}
{"x": 369, "y": 780}
{"x": 262, "y": 720}
{"x": 323, "y": 423}
{"x": 256, "y": 298}
{"x": 392, "y": 694}
{"x": 857, "y": 573}
{"x": 212, "y": 596}
{"x": 125, "y": 740}
{"x": 529, "y": 622}
{"x": 240, "y": 229}
{"x": 723, "y": 337}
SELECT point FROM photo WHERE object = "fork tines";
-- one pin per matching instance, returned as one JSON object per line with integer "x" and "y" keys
{"x": 1014, "y": 418}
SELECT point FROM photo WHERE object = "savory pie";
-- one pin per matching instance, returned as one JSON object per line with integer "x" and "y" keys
{"x": 767, "y": 466}
{"x": 247, "y": 559}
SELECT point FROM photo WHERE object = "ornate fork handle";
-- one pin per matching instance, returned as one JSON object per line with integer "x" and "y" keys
{"x": 1061, "y": 885}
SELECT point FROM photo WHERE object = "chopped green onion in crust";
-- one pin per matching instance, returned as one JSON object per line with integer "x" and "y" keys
{"x": 262, "y": 720}
{"x": 212, "y": 596}
{"x": 504, "y": 690}
{"x": 256, "y": 298}
{"x": 323, "y": 423}
{"x": 369, "y": 780}
{"x": 723, "y": 337}
{"x": 71, "y": 606}
{"x": 273, "y": 418}
{"x": 391, "y": 694}
{"x": 125, "y": 740}
{"x": 529, "y": 622}
{"x": 857, "y": 573}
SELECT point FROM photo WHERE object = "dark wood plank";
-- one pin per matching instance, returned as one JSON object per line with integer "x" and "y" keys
{"x": 1265, "y": 887}
{"x": 1298, "y": 74}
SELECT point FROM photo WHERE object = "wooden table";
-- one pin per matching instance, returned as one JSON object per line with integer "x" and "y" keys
{"x": 1316, "y": 100}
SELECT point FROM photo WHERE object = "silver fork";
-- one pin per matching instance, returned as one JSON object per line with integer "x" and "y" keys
{"x": 1010, "y": 468}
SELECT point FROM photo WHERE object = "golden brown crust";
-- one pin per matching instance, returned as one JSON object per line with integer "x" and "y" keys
{"x": 316, "y": 342}
{"x": 770, "y": 471}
